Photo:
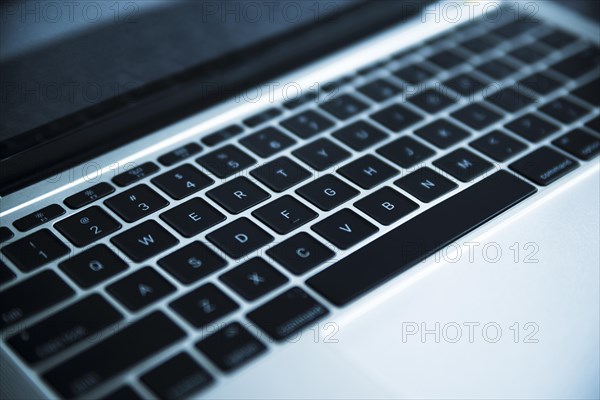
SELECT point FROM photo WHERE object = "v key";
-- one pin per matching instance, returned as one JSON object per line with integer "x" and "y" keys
{"x": 345, "y": 229}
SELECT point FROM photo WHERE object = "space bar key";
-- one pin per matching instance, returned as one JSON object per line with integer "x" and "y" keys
{"x": 420, "y": 237}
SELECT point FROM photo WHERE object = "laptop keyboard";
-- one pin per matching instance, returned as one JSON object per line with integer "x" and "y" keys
{"x": 472, "y": 121}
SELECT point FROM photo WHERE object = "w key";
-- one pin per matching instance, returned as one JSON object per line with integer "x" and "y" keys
{"x": 136, "y": 203}
{"x": 144, "y": 241}
{"x": 87, "y": 226}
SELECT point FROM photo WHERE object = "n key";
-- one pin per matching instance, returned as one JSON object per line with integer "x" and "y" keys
{"x": 144, "y": 241}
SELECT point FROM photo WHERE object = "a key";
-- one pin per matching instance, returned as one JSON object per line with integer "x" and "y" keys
{"x": 510, "y": 99}
{"x": 140, "y": 289}
{"x": 222, "y": 135}
{"x": 544, "y": 166}
{"x": 564, "y": 110}
{"x": 61, "y": 331}
{"x": 477, "y": 116}
{"x": 93, "y": 266}
{"x": 499, "y": 146}
{"x": 496, "y": 69}
{"x": 300, "y": 253}
{"x": 192, "y": 217}
{"x": 406, "y": 152}
{"x": 367, "y": 171}
{"x": 39, "y": 217}
{"x": 396, "y": 117}
{"x": 532, "y": 127}
{"x": 136, "y": 203}
{"x": 144, "y": 241}
{"x": 360, "y": 135}
{"x": 135, "y": 174}
{"x": 182, "y": 181}
{"x": 253, "y": 279}
{"x": 89, "y": 195}
{"x": 6, "y": 275}
{"x": 285, "y": 214}
{"x": 579, "y": 143}
{"x": 465, "y": 84}
{"x": 442, "y": 133}
{"x": 192, "y": 262}
{"x": 414, "y": 74}
{"x": 281, "y": 174}
{"x": 379, "y": 90}
{"x": 238, "y": 194}
{"x": 344, "y": 106}
{"x": 267, "y": 142}
{"x": 204, "y": 305}
{"x": 123, "y": 393}
{"x": 447, "y": 59}
{"x": 231, "y": 347}
{"x": 179, "y": 154}
{"x": 345, "y": 228}
{"x": 463, "y": 165}
{"x": 321, "y": 154}
{"x": 327, "y": 192}
{"x": 307, "y": 124}
{"x": 35, "y": 250}
{"x": 589, "y": 92}
{"x": 180, "y": 377}
{"x": 262, "y": 117}
{"x": 386, "y": 206}
{"x": 5, "y": 234}
{"x": 579, "y": 64}
{"x": 558, "y": 39}
{"x": 128, "y": 347}
{"x": 426, "y": 185}
{"x": 287, "y": 314}
{"x": 541, "y": 83}
{"x": 239, "y": 238}
{"x": 31, "y": 296}
{"x": 529, "y": 53}
{"x": 226, "y": 161}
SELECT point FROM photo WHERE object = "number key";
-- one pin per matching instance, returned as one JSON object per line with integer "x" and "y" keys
{"x": 182, "y": 181}
{"x": 136, "y": 203}
{"x": 87, "y": 226}
{"x": 35, "y": 250}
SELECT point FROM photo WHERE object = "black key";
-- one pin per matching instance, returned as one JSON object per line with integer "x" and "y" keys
{"x": 564, "y": 110}
{"x": 307, "y": 124}
{"x": 579, "y": 143}
{"x": 123, "y": 393}
{"x": 345, "y": 228}
{"x": 128, "y": 347}
{"x": 238, "y": 194}
{"x": 369, "y": 69}
{"x": 514, "y": 28}
{"x": 336, "y": 85}
{"x": 480, "y": 44}
{"x": 511, "y": 99}
{"x": 463, "y": 165}
{"x": 204, "y": 305}
{"x": 442, "y": 133}
{"x": 239, "y": 238}
{"x": 179, "y": 154}
{"x": 414, "y": 74}
{"x": 296, "y": 102}
{"x": 31, "y": 296}
{"x": 544, "y": 166}
{"x": 541, "y": 83}
{"x": 135, "y": 174}
{"x": 254, "y": 279}
{"x": 386, "y": 206}
{"x": 267, "y": 142}
{"x": 182, "y": 181}
{"x": 285, "y": 214}
{"x": 300, "y": 253}
{"x": 262, "y": 117}
{"x": 68, "y": 327}
{"x": 327, "y": 192}
{"x": 406, "y": 152}
{"x": 89, "y": 195}
{"x": 477, "y": 116}
{"x": 499, "y": 146}
{"x": 379, "y": 90}
{"x": 222, "y": 135}
{"x": 287, "y": 314}
{"x": 93, "y": 266}
{"x": 281, "y": 174}
{"x": 144, "y": 241}
{"x": 140, "y": 289}
{"x": 321, "y": 154}
{"x": 396, "y": 117}
{"x": 589, "y": 92}
{"x": 465, "y": 84}
{"x": 136, "y": 203}
{"x": 35, "y": 250}
{"x": 558, "y": 39}
{"x": 496, "y": 69}
{"x": 415, "y": 240}
{"x": 226, "y": 161}
{"x": 180, "y": 377}
{"x": 6, "y": 275}
{"x": 529, "y": 53}
{"x": 231, "y": 347}
{"x": 426, "y": 185}
{"x": 368, "y": 171}
{"x": 432, "y": 101}
{"x": 5, "y": 234}
{"x": 344, "y": 106}
{"x": 594, "y": 124}
{"x": 192, "y": 217}
{"x": 360, "y": 135}
{"x": 447, "y": 59}
{"x": 192, "y": 262}
{"x": 579, "y": 64}
{"x": 532, "y": 127}
{"x": 39, "y": 217}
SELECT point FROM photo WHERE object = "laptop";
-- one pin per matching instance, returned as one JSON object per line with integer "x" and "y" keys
{"x": 324, "y": 199}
